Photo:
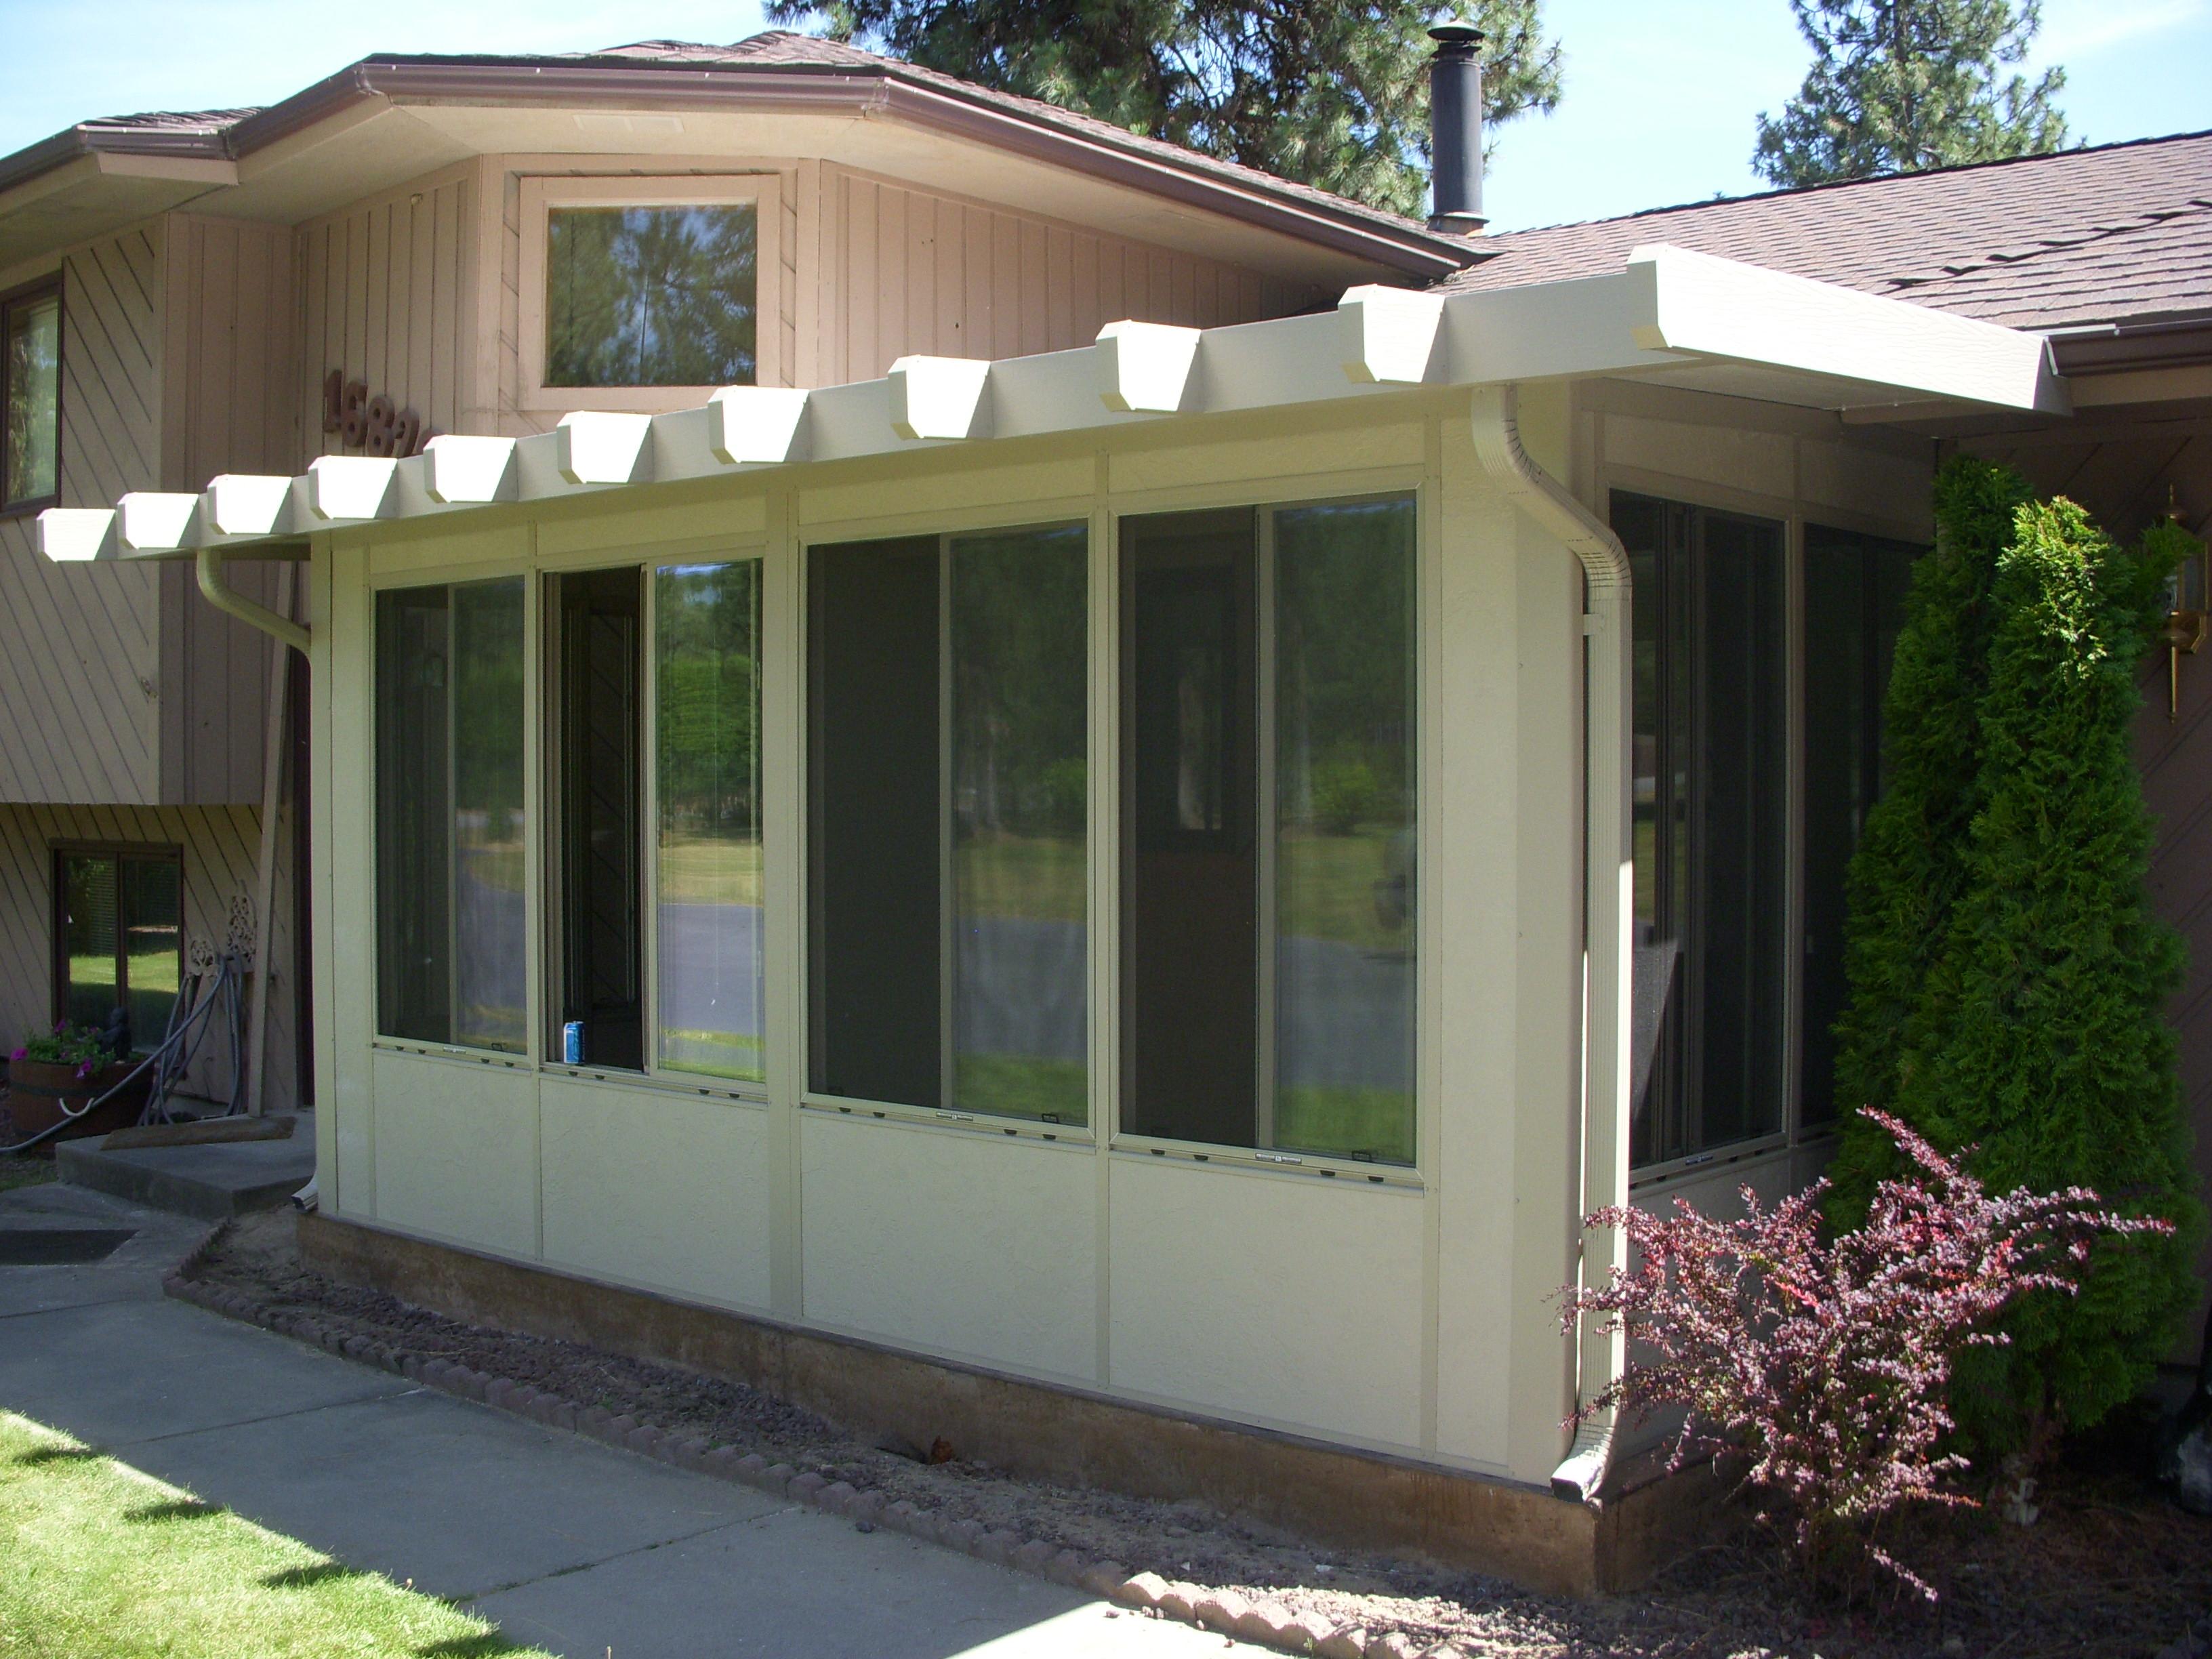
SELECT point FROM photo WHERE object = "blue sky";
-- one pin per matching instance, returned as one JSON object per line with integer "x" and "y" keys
{"x": 1659, "y": 107}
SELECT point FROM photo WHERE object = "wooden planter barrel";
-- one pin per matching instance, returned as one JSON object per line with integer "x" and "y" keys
{"x": 38, "y": 1088}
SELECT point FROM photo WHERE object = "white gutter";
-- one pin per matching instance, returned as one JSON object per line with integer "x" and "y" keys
{"x": 1608, "y": 903}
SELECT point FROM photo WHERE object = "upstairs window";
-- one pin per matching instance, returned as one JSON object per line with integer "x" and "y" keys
{"x": 30, "y": 392}
{"x": 643, "y": 293}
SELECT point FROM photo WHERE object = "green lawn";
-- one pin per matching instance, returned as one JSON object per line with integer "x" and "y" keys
{"x": 28, "y": 1170}
{"x": 101, "y": 1562}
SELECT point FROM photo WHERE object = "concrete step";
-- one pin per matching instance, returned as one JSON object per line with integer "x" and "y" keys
{"x": 209, "y": 1182}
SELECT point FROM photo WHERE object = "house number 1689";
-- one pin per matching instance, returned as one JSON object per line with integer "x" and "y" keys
{"x": 375, "y": 424}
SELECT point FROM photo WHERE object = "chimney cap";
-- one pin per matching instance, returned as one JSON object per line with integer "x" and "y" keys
{"x": 1452, "y": 34}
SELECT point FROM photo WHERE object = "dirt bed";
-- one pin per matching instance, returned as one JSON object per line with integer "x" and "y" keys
{"x": 2110, "y": 1569}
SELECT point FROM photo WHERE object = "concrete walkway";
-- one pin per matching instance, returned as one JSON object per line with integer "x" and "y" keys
{"x": 567, "y": 1544}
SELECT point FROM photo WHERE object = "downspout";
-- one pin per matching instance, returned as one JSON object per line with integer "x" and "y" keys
{"x": 1608, "y": 903}
{"x": 209, "y": 565}
{"x": 209, "y": 568}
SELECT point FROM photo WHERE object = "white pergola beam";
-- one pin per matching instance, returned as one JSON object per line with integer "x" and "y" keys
{"x": 1680, "y": 316}
{"x": 941, "y": 398}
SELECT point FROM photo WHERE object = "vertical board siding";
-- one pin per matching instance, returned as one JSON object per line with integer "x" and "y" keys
{"x": 79, "y": 644}
{"x": 919, "y": 271}
{"x": 220, "y": 846}
{"x": 382, "y": 301}
{"x": 229, "y": 349}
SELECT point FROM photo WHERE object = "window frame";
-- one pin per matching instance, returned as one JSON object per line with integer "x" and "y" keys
{"x": 11, "y": 300}
{"x": 155, "y": 852}
{"x": 1353, "y": 486}
{"x": 540, "y": 195}
{"x": 1025, "y": 518}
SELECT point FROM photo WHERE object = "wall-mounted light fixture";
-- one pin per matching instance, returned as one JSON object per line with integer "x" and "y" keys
{"x": 2186, "y": 621}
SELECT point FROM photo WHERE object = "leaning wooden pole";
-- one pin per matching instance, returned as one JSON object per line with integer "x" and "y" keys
{"x": 265, "y": 896}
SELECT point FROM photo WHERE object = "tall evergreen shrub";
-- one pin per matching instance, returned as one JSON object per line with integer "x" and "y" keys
{"x": 1906, "y": 874}
{"x": 2041, "y": 1038}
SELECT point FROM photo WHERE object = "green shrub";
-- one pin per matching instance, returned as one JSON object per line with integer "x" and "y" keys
{"x": 1906, "y": 874}
{"x": 2046, "y": 1046}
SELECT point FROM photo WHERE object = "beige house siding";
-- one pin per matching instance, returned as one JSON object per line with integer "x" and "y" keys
{"x": 78, "y": 646}
{"x": 905, "y": 269}
{"x": 383, "y": 288}
{"x": 220, "y": 846}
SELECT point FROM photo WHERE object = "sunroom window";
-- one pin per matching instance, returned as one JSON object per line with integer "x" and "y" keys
{"x": 712, "y": 985}
{"x": 1269, "y": 833}
{"x": 946, "y": 766}
{"x": 1712, "y": 821}
{"x": 451, "y": 864}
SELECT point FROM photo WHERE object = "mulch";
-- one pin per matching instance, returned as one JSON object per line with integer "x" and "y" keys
{"x": 2111, "y": 1568}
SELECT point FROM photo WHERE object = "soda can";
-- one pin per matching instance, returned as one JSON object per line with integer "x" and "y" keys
{"x": 572, "y": 1043}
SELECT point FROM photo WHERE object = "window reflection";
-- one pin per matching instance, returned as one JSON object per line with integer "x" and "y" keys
{"x": 650, "y": 296}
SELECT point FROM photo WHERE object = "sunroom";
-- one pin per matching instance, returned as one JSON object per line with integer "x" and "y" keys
{"x": 1110, "y": 878}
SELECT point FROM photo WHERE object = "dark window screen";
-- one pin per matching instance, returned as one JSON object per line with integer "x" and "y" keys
{"x": 414, "y": 883}
{"x": 602, "y": 829}
{"x": 1712, "y": 823}
{"x": 1854, "y": 598}
{"x": 874, "y": 850}
{"x": 1190, "y": 875}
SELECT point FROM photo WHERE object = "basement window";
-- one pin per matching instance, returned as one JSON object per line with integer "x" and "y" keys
{"x": 118, "y": 937}
{"x": 645, "y": 294}
{"x": 30, "y": 394}
{"x": 451, "y": 820}
{"x": 948, "y": 779}
{"x": 1268, "y": 847}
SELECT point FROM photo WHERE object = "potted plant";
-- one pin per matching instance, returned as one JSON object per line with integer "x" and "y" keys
{"x": 70, "y": 1066}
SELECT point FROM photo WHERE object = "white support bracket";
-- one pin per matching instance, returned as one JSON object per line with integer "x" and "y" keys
{"x": 1146, "y": 368}
{"x": 940, "y": 398}
{"x": 1392, "y": 335}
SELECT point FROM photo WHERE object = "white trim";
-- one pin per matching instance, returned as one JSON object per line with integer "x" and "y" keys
{"x": 761, "y": 191}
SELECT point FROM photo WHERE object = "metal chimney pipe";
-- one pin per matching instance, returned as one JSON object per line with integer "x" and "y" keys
{"x": 1455, "y": 129}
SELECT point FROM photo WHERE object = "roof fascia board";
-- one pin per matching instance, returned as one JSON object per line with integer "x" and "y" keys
{"x": 1711, "y": 307}
{"x": 194, "y": 169}
{"x": 1411, "y": 250}
{"x": 1591, "y": 325}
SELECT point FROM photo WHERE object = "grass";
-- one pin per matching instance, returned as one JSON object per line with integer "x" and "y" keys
{"x": 104, "y": 1563}
{"x": 713, "y": 1054}
{"x": 1345, "y": 1122}
{"x": 28, "y": 1170}
{"x": 1022, "y": 1085}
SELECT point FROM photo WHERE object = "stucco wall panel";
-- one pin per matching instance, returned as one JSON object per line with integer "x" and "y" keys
{"x": 971, "y": 1246}
{"x": 659, "y": 1189}
{"x": 456, "y": 1151}
{"x": 1269, "y": 1298}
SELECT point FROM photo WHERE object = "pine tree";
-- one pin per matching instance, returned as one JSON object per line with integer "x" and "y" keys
{"x": 2045, "y": 1044}
{"x": 1900, "y": 86}
{"x": 1331, "y": 95}
{"x": 1909, "y": 865}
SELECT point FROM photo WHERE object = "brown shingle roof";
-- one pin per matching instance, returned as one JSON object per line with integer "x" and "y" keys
{"x": 2120, "y": 232}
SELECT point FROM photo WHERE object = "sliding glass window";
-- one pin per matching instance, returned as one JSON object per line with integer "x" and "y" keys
{"x": 450, "y": 814}
{"x": 711, "y": 986}
{"x": 1712, "y": 821}
{"x": 1269, "y": 833}
{"x": 946, "y": 847}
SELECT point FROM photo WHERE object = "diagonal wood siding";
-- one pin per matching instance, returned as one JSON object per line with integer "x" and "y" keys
{"x": 79, "y": 668}
{"x": 220, "y": 846}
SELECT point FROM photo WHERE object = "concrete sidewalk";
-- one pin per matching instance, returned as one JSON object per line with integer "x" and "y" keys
{"x": 567, "y": 1544}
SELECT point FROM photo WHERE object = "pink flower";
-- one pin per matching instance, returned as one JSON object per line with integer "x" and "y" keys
{"x": 20, "y": 1054}
{"x": 84, "y": 1068}
{"x": 60, "y": 1026}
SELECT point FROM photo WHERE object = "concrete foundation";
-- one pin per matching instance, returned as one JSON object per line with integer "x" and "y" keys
{"x": 1336, "y": 1496}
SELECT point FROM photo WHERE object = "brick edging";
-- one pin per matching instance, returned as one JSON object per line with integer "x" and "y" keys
{"x": 1222, "y": 1612}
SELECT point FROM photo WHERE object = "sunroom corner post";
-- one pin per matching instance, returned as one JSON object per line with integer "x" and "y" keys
{"x": 1609, "y": 900}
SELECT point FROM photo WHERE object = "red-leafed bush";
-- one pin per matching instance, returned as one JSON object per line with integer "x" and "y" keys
{"x": 1826, "y": 1364}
